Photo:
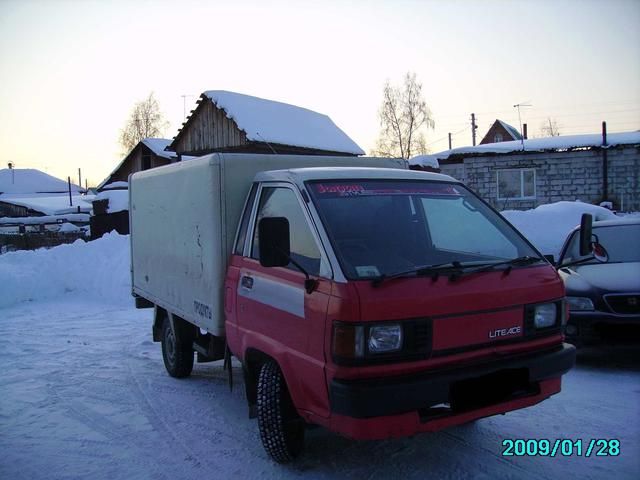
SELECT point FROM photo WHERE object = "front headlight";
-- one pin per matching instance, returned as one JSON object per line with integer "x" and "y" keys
{"x": 580, "y": 303}
{"x": 545, "y": 315}
{"x": 385, "y": 338}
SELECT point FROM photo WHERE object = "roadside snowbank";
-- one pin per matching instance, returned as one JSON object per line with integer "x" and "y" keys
{"x": 97, "y": 270}
{"x": 547, "y": 226}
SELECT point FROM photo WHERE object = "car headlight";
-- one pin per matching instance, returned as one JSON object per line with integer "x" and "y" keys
{"x": 359, "y": 342}
{"x": 545, "y": 315}
{"x": 580, "y": 303}
{"x": 385, "y": 338}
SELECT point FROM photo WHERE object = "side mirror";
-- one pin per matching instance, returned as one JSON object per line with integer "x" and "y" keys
{"x": 550, "y": 258}
{"x": 275, "y": 249}
{"x": 589, "y": 244}
{"x": 585, "y": 234}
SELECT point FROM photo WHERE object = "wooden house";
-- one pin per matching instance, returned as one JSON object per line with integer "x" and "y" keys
{"x": 231, "y": 122}
{"x": 149, "y": 153}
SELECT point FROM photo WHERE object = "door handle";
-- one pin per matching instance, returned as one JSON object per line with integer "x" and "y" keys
{"x": 247, "y": 282}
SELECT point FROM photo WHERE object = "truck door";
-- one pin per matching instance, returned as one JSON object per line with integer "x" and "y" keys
{"x": 274, "y": 310}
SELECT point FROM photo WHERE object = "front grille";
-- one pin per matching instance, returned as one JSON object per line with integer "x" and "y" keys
{"x": 628, "y": 304}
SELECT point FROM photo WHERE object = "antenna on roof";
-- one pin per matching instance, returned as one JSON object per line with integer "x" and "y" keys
{"x": 184, "y": 106}
{"x": 518, "y": 105}
{"x": 267, "y": 143}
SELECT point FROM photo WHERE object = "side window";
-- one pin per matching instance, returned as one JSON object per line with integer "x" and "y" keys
{"x": 242, "y": 233}
{"x": 282, "y": 202}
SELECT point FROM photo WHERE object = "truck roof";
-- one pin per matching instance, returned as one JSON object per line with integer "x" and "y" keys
{"x": 299, "y": 175}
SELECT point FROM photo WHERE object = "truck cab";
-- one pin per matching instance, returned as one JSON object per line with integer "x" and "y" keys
{"x": 381, "y": 303}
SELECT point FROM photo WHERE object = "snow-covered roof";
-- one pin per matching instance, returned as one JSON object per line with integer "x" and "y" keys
{"x": 119, "y": 185}
{"x": 158, "y": 145}
{"x": 51, "y": 204}
{"x": 512, "y": 130}
{"x": 425, "y": 161}
{"x": 280, "y": 123}
{"x": 565, "y": 142}
{"x": 118, "y": 200}
{"x": 30, "y": 180}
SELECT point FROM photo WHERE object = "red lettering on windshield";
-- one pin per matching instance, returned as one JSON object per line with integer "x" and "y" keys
{"x": 339, "y": 188}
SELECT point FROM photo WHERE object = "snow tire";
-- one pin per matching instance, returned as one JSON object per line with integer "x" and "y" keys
{"x": 281, "y": 428}
{"x": 178, "y": 357}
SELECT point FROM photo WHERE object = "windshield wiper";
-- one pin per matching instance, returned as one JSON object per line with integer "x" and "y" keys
{"x": 514, "y": 262}
{"x": 422, "y": 270}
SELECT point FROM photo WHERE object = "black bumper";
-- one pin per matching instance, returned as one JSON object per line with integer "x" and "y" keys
{"x": 391, "y": 396}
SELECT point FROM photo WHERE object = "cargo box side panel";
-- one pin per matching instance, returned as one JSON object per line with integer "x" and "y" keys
{"x": 176, "y": 241}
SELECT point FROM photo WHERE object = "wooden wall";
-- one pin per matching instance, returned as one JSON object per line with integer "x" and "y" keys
{"x": 207, "y": 130}
{"x": 133, "y": 163}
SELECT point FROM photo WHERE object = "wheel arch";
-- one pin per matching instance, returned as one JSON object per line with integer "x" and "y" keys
{"x": 251, "y": 365}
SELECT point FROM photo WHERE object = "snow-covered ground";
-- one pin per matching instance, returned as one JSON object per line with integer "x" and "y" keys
{"x": 84, "y": 394}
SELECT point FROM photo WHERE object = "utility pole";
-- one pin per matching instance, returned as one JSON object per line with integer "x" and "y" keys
{"x": 449, "y": 140}
{"x": 605, "y": 164}
{"x": 13, "y": 173}
{"x": 79, "y": 178}
{"x": 474, "y": 127}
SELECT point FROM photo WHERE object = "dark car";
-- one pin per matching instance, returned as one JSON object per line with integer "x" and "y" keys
{"x": 603, "y": 298}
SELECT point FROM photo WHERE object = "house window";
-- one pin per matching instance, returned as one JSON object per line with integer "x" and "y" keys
{"x": 518, "y": 184}
{"x": 498, "y": 138}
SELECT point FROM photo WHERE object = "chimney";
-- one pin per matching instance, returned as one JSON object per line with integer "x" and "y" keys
{"x": 524, "y": 130}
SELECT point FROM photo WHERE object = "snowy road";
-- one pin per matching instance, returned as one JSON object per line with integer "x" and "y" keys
{"x": 84, "y": 394}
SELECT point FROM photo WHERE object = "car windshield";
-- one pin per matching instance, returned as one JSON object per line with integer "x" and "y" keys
{"x": 622, "y": 243}
{"x": 383, "y": 227}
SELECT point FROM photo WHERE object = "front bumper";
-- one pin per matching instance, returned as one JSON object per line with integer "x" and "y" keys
{"x": 453, "y": 391}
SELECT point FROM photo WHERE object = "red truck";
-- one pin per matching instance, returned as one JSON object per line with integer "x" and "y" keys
{"x": 376, "y": 302}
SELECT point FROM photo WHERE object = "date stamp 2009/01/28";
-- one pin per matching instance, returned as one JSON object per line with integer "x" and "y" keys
{"x": 561, "y": 447}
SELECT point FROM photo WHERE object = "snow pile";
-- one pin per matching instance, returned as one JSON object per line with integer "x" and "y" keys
{"x": 275, "y": 122}
{"x": 547, "y": 226}
{"x": 30, "y": 180}
{"x": 118, "y": 199}
{"x": 68, "y": 228}
{"x": 98, "y": 269}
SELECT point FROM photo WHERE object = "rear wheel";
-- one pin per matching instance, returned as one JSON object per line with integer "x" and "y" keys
{"x": 178, "y": 357}
{"x": 281, "y": 428}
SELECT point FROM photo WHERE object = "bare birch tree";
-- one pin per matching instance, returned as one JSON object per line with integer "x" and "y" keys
{"x": 404, "y": 115}
{"x": 145, "y": 121}
{"x": 549, "y": 128}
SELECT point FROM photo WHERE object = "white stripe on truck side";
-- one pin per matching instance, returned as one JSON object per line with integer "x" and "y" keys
{"x": 275, "y": 294}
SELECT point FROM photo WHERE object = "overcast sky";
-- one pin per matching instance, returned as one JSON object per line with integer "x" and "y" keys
{"x": 70, "y": 71}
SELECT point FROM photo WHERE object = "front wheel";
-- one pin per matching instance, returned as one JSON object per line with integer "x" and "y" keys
{"x": 281, "y": 428}
{"x": 178, "y": 357}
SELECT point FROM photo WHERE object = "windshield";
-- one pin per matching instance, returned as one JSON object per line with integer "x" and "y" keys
{"x": 621, "y": 242}
{"x": 382, "y": 227}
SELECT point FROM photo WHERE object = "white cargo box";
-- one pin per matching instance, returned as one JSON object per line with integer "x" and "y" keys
{"x": 183, "y": 220}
